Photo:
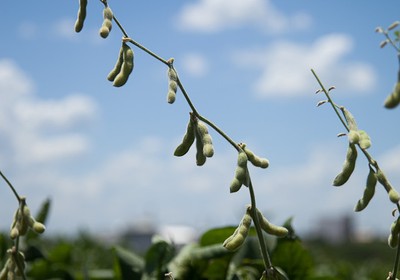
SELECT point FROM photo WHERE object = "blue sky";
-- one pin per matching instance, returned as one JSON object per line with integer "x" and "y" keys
{"x": 104, "y": 155}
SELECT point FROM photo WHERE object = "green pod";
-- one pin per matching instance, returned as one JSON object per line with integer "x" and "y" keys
{"x": 172, "y": 85}
{"x": 365, "y": 140}
{"x": 187, "y": 140}
{"x": 126, "y": 68}
{"x": 117, "y": 68}
{"x": 200, "y": 157}
{"x": 254, "y": 159}
{"x": 172, "y": 75}
{"x": 393, "y": 194}
{"x": 38, "y": 227}
{"x": 107, "y": 13}
{"x": 269, "y": 227}
{"x": 236, "y": 240}
{"x": 242, "y": 159}
{"x": 107, "y": 22}
{"x": 81, "y": 15}
{"x": 241, "y": 174}
{"x": 395, "y": 227}
{"x": 348, "y": 166}
{"x": 208, "y": 149}
{"x": 235, "y": 185}
{"x": 393, "y": 99}
{"x": 368, "y": 192}
{"x": 351, "y": 122}
{"x": 354, "y": 137}
{"x": 393, "y": 240}
{"x": 104, "y": 30}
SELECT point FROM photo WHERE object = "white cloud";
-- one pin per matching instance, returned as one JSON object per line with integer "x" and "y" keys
{"x": 194, "y": 64}
{"x": 35, "y": 130}
{"x": 285, "y": 67}
{"x": 27, "y": 30}
{"x": 217, "y": 15}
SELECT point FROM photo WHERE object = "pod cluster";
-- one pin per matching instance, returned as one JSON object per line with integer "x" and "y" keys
{"x": 355, "y": 135}
{"x": 236, "y": 240}
{"x": 14, "y": 266}
{"x": 123, "y": 68}
{"x": 107, "y": 22}
{"x": 172, "y": 85}
{"x": 196, "y": 130}
{"x": 81, "y": 15}
{"x": 23, "y": 220}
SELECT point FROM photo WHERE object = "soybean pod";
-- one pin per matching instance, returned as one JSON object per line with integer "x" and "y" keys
{"x": 118, "y": 65}
{"x": 348, "y": 166}
{"x": 253, "y": 158}
{"x": 172, "y": 85}
{"x": 393, "y": 194}
{"x": 81, "y": 15}
{"x": 393, "y": 99}
{"x": 208, "y": 149}
{"x": 187, "y": 140}
{"x": 368, "y": 192}
{"x": 236, "y": 240}
{"x": 271, "y": 228}
{"x": 127, "y": 66}
{"x": 240, "y": 177}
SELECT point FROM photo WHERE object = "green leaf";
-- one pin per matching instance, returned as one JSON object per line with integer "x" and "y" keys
{"x": 128, "y": 265}
{"x": 157, "y": 256}
{"x": 216, "y": 235}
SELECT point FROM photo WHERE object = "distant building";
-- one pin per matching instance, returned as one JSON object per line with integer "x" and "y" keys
{"x": 339, "y": 229}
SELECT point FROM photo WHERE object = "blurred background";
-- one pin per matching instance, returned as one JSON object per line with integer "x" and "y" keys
{"x": 104, "y": 155}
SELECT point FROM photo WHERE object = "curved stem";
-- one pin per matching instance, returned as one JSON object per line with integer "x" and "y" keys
{"x": 11, "y": 186}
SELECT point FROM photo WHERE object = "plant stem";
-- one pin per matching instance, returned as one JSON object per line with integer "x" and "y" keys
{"x": 11, "y": 186}
{"x": 396, "y": 262}
{"x": 260, "y": 236}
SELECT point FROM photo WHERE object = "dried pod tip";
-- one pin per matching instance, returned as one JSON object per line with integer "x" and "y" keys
{"x": 341, "y": 134}
{"x": 170, "y": 61}
{"x": 331, "y": 88}
{"x": 322, "y": 102}
{"x": 379, "y": 29}
{"x": 318, "y": 91}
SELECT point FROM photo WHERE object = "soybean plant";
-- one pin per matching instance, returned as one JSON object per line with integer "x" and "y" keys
{"x": 22, "y": 222}
{"x": 393, "y": 99}
{"x": 197, "y": 131}
{"x": 360, "y": 140}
